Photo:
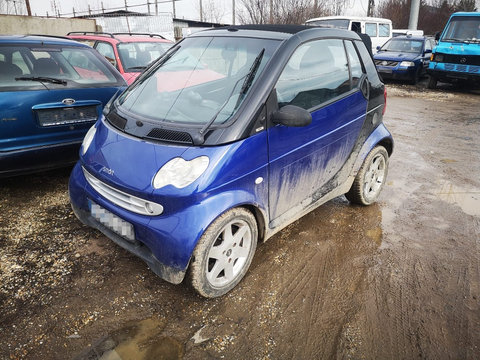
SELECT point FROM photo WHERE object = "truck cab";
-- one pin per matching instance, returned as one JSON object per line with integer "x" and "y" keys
{"x": 456, "y": 58}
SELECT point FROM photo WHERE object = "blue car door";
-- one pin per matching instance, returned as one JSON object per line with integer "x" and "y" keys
{"x": 320, "y": 79}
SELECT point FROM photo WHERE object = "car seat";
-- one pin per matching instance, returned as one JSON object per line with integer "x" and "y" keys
{"x": 9, "y": 71}
{"x": 46, "y": 67}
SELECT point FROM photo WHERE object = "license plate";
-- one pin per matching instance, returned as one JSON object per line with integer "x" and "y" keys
{"x": 112, "y": 221}
{"x": 385, "y": 71}
{"x": 67, "y": 115}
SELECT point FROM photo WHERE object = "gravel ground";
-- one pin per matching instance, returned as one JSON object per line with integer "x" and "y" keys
{"x": 399, "y": 279}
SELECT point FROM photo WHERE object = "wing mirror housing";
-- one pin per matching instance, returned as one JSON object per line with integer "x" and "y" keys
{"x": 291, "y": 115}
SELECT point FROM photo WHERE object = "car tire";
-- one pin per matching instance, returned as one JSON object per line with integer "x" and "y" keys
{"x": 370, "y": 179}
{"x": 432, "y": 82}
{"x": 224, "y": 253}
{"x": 416, "y": 77}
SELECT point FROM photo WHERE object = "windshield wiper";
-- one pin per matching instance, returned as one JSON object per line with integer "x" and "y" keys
{"x": 42, "y": 79}
{"x": 246, "y": 85}
{"x": 251, "y": 75}
{"x": 137, "y": 67}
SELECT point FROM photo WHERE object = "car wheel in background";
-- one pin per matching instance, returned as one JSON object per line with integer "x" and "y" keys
{"x": 224, "y": 253}
{"x": 432, "y": 82}
{"x": 370, "y": 179}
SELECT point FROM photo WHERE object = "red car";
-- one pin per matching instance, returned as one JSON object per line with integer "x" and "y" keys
{"x": 130, "y": 53}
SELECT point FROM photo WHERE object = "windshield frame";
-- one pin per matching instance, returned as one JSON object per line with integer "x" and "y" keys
{"x": 451, "y": 27}
{"x": 273, "y": 46}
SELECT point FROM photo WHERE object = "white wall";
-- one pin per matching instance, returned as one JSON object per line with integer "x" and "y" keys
{"x": 19, "y": 25}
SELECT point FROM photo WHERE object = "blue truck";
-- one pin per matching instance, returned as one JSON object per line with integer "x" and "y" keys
{"x": 456, "y": 58}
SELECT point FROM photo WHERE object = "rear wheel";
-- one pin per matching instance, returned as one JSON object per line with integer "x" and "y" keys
{"x": 370, "y": 179}
{"x": 432, "y": 82}
{"x": 224, "y": 253}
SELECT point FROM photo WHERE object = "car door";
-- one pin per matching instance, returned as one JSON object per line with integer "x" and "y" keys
{"x": 303, "y": 159}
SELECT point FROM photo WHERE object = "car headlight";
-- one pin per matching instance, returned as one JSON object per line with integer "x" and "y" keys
{"x": 87, "y": 140}
{"x": 180, "y": 173}
{"x": 407, "y": 64}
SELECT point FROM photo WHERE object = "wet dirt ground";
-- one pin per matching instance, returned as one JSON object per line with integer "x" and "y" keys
{"x": 396, "y": 280}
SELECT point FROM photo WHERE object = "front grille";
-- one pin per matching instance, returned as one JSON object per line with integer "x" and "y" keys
{"x": 170, "y": 136}
{"x": 116, "y": 120}
{"x": 122, "y": 199}
{"x": 463, "y": 68}
{"x": 461, "y": 59}
{"x": 386, "y": 63}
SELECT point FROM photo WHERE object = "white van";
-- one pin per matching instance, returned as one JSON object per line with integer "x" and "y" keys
{"x": 379, "y": 30}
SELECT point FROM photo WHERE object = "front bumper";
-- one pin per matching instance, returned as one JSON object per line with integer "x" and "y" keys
{"x": 396, "y": 73}
{"x": 39, "y": 158}
{"x": 164, "y": 243}
{"x": 453, "y": 76}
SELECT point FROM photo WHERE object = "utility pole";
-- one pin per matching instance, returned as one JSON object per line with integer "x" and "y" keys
{"x": 201, "y": 11}
{"x": 103, "y": 9}
{"x": 174, "y": 12}
{"x": 156, "y": 7}
{"x": 73, "y": 9}
{"x": 27, "y": 4}
{"x": 414, "y": 9}
{"x": 148, "y": 7}
{"x": 126, "y": 6}
{"x": 233, "y": 12}
{"x": 371, "y": 7}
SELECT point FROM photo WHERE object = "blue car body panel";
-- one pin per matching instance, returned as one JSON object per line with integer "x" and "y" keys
{"x": 388, "y": 63}
{"x": 460, "y": 60}
{"x": 26, "y": 145}
{"x": 272, "y": 170}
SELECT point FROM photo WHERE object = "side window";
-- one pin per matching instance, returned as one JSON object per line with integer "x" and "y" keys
{"x": 17, "y": 59}
{"x": 371, "y": 29}
{"x": 355, "y": 64}
{"x": 428, "y": 45}
{"x": 384, "y": 30}
{"x": 367, "y": 62}
{"x": 106, "y": 50}
{"x": 317, "y": 72}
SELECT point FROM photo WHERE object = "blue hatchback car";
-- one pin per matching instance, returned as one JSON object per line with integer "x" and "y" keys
{"x": 404, "y": 57}
{"x": 51, "y": 92}
{"x": 229, "y": 137}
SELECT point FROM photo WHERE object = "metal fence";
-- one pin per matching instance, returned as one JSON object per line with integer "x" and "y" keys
{"x": 158, "y": 24}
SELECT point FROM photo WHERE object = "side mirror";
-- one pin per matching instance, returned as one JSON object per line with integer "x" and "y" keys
{"x": 291, "y": 115}
{"x": 437, "y": 36}
{"x": 378, "y": 48}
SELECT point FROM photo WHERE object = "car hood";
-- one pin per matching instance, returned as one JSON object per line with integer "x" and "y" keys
{"x": 458, "y": 48}
{"x": 395, "y": 56}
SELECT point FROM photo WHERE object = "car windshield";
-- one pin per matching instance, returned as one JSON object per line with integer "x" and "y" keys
{"x": 403, "y": 45}
{"x": 201, "y": 81}
{"x": 463, "y": 29}
{"x": 332, "y": 23}
{"x": 135, "y": 56}
{"x": 25, "y": 67}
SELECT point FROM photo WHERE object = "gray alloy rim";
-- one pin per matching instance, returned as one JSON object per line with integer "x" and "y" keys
{"x": 228, "y": 254}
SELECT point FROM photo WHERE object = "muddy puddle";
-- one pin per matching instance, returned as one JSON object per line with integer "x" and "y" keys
{"x": 467, "y": 199}
{"x": 141, "y": 340}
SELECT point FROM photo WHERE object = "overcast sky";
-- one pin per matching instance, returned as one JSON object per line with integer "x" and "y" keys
{"x": 188, "y": 9}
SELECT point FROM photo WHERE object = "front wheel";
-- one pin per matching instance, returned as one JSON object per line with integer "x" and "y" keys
{"x": 432, "y": 82}
{"x": 370, "y": 179}
{"x": 224, "y": 253}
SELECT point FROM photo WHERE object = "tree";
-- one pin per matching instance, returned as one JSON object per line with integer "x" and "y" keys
{"x": 466, "y": 5}
{"x": 284, "y": 11}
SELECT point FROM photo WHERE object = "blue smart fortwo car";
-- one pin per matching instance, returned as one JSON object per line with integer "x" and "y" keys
{"x": 230, "y": 136}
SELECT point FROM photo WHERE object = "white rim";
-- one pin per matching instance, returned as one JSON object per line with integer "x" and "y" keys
{"x": 374, "y": 177}
{"x": 229, "y": 253}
